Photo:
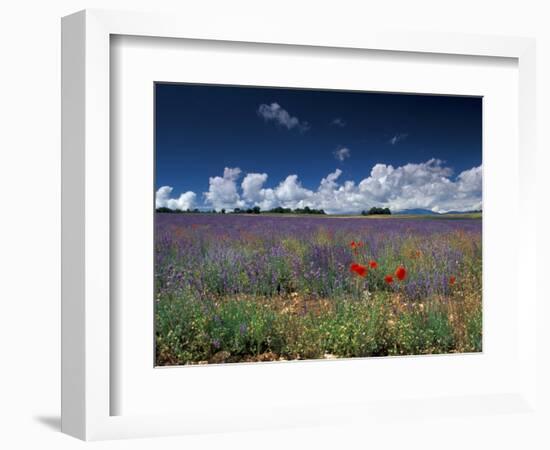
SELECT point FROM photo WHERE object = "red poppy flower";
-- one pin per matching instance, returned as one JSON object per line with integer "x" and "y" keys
{"x": 353, "y": 245}
{"x": 373, "y": 264}
{"x": 359, "y": 269}
{"x": 401, "y": 273}
{"x": 388, "y": 279}
{"x": 452, "y": 280}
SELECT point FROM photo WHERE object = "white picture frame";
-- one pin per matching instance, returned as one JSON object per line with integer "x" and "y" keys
{"x": 87, "y": 353}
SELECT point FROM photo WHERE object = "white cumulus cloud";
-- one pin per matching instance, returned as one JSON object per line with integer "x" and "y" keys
{"x": 275, "y": 112}
{"x": 342, "y": 153}
{"x": 291, "y": 194}
{"x": 426, "y": 185}
{"x": 223, "y": 192}
{"x": 398, "y": 138}
{"x": 338, "y": 122}
{"x": 184, "y": 201}
{"x": 252, "y": 186}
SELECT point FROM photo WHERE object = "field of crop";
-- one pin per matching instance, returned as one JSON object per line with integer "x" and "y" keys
{"x": 244, "y": 288}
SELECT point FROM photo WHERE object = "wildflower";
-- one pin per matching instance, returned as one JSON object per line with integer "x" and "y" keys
{"x": 359, "y": 269}
{"x": 452, "y": 280}
{"x": 388, "y": 279}
{"x": 401, "y": 273}
{"x": 355, "y": 245}
{"x": 373, "y": 264}
{"x": 243, "y": 328}
{"x": 216, "y": 343}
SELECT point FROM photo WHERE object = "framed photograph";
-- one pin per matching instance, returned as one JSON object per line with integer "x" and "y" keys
{"x": 313, "y": 265}
{"x": 271, "y": 228}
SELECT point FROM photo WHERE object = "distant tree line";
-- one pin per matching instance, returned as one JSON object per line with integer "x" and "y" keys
{"x": 306, "y": 210}
{"x": 164, "y": 209}
{"x": 375, "y": 211}
{"x": 254, "y": 210}
{"x": 279, "y": 210}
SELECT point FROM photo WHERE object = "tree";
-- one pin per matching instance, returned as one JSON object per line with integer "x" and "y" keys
{"x": 223, "y": 210}
{"x": 280, "y": 210}
{"x": 376, "y": 211}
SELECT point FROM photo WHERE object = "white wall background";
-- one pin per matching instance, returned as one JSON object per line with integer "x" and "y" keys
{"x": 30, "y": 187}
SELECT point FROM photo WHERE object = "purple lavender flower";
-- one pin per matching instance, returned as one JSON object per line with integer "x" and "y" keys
{"x": 212, "y": 256}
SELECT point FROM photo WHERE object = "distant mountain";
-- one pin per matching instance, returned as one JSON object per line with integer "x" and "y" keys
{"x": 427, "y": 212}
{"x": 461, "y": 212}
{"x": 417, "y": 211}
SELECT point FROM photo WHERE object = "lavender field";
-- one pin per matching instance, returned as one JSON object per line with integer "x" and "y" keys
{"x": 244, "y": 288}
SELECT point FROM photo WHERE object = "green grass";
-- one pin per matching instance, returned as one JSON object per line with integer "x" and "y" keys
{"x": 246, "y": 329}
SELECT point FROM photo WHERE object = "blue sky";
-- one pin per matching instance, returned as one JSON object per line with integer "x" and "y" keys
{"x": 230, "y": 147}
